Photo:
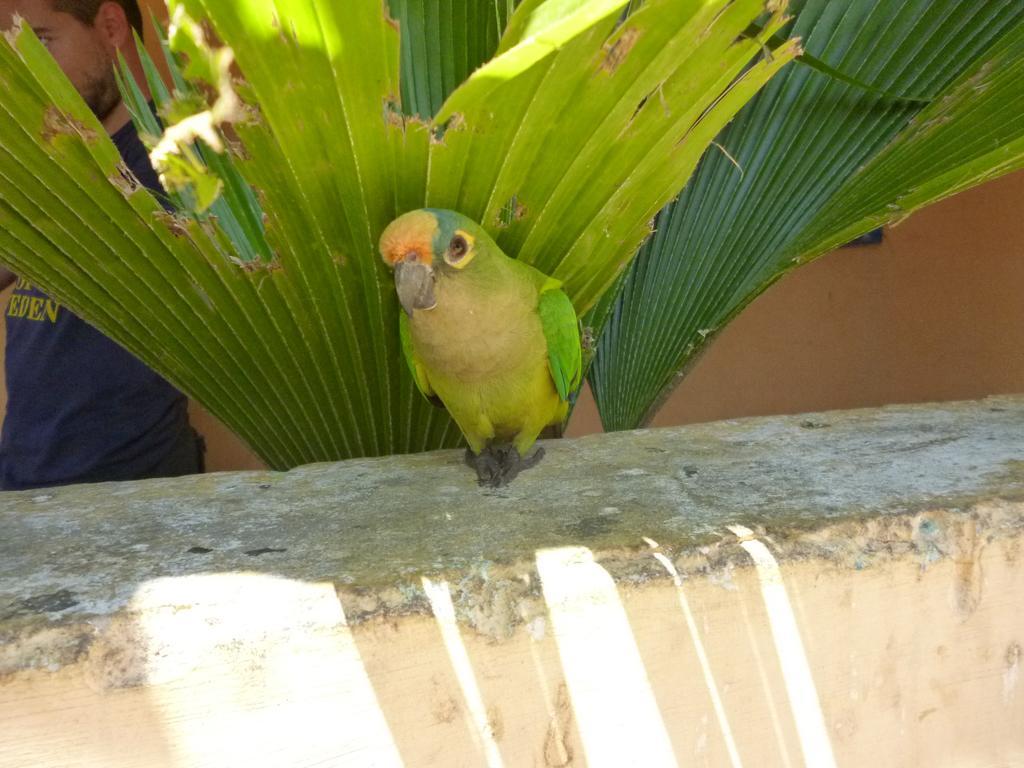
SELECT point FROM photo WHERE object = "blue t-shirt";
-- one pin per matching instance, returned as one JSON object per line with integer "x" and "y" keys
{"x": 79, "y": 407}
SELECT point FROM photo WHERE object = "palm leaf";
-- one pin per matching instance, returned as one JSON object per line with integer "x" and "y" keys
{"x": 442, "y": 43}
{"x": 811, "y": 163}
{"x": 232, "y": 202}
{"x": 586, "y": 124}
{"x": 972, "y": 134}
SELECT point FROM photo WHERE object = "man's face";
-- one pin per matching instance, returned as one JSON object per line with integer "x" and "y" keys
{"x": 86, "y": 57}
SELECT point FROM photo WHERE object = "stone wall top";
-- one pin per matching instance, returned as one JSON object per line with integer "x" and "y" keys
{"x": 851, "y": 486}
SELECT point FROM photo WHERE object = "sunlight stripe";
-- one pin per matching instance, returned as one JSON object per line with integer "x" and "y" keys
{"x": 796, "y": 670}
{"x": 444, "y": 611}
{"x": 705, "y": 666}
{"x": 231, "y": 661}
{"x": 616, "y": 713}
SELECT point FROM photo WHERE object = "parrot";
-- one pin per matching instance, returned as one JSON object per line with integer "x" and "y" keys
{"x": 489, "y": 337}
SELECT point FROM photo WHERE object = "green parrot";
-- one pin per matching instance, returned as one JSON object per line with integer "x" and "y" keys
{"x": 492, "y": 338}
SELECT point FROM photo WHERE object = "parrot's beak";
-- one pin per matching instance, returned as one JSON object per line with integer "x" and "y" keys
{"x": 414, "y": 282}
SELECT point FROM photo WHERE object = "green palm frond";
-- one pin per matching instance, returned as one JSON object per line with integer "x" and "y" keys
{"x": 811, "y": 163}
{"x": 564, "y": 145}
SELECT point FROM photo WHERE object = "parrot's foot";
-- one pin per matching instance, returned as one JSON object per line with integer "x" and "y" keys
{"x": 499, "y": 465}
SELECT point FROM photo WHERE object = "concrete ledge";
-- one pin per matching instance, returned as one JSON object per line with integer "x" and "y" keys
{"x": 838, "y": 588}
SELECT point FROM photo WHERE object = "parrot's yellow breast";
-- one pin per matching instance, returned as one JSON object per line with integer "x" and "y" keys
{"x": 488, "y": 361}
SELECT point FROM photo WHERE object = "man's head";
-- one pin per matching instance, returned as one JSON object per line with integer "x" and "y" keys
{"x": 84, "y": 37}
{"x": 87, "y": 10}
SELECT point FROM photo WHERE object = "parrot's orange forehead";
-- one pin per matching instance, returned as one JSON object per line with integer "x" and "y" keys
{"x": 411, "y": 233}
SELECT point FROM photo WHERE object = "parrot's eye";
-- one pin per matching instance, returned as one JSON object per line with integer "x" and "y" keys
{"x": 457, "y": 248}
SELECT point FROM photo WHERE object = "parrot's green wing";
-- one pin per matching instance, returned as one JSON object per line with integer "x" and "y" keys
{"x": 562, "y": 332}
{"x": 418, "y": 374}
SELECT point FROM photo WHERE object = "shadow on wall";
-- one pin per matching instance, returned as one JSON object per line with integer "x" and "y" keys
{"x": 256, "y": 669}
{"x": 744, "y": 668}
{"x": 392, "y": 611}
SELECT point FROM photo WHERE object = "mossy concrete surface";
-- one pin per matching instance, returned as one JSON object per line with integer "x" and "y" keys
{"x": 113, "y": 583}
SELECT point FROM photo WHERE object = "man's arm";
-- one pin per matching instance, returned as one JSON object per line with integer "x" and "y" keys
{"x": 6, "y": 277}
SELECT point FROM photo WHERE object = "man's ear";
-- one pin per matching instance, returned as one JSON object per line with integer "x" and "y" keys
{"x": 113, "y": 26}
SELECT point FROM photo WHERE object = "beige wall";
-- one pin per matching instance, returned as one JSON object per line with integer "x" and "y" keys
{"x": 201, "y": 621}
{"x": 936, "y": 312}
